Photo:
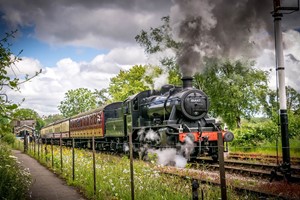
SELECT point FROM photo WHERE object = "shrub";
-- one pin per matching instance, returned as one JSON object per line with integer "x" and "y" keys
{"x": 14, "y": 182}
{"x": 9, "y": 138}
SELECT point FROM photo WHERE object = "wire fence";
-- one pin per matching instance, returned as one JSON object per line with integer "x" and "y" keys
{"x": 103, "y": 176}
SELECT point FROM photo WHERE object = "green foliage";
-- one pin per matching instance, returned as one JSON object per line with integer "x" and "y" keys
{"x": 175, "y": 75}
{"x": 294, "y": 124}
{"x": 77, "y": 101}
{"x": 137, "y": 79}
{"x": 9, "y": 138}
{"x": 80, "y": 100}
{"x": 102, "y": 96}
{"x": 14, "y": 182}
{"x": 271, "y": 108}
{"x": 5, "y": 126}
{"x": 236, "y": 89}
{"x": 7, "y": 108}
{"x": 113, "y": 177}
{"x": 7, "y": 59}
{"x": 252, "y": 134}
{"x": 52, "y": 118}
{"x": 158, "y": 39}
{"x": 27, "y": 114}
{"x": 262, "y": 134}
{"x": 293, "y": 100}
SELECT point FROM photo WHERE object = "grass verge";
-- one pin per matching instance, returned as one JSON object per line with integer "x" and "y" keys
{"x": 113, "y": 177}
{"x": 14, "y": 181}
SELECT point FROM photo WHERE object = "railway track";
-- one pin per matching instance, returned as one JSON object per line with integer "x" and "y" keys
{"x": 261, "y": 170}
{"x": 261, "y": 158}
{"x": 262, "y": 189}
{"x": 238, "y": 179}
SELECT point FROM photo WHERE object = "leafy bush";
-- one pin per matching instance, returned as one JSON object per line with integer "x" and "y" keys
{"x": 9, "y": 138}
{"x": 264, "y": 135}
{"x": 254, "y": 134}
{"x": 14, "y": 182}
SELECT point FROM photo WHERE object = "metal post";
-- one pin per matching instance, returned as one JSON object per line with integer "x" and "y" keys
{"x": 221, "y": 166}
{"x": 94, "y": 165}
{"x": 46, "y": 153}
{"x": 28, "y": 143}
{"x": 61, "y": 159}
{"x": 34, "y": 143}
{"x": 25, "y": 143}
{"x": 286, "y": 165}
{"x": 52, "y": 157}
{"x": 39, "y": 149}
{"x": 131, "y": 166}
{"x": 195, "y": 186}
{"x": 42, "y": 149}
{"x": 31, "y": 144}
{"x": 73, "y": 159}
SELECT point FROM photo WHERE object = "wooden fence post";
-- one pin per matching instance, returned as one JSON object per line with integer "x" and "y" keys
{"x": 94, "y": 165}
{"x": 52, "y": 156}
{"x": 131, "y": 166}
{"x": 221, "y": 166}
{"x": 73, "y": 158}
{"x": 25, "y": 143}
{"x": 61, "y": 158}
{"x": 39, "y": 148}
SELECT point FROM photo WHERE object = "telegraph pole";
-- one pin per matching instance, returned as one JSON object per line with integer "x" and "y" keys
{"x": 278, "y": 14}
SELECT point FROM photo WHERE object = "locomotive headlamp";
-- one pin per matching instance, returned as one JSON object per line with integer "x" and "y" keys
{"x": 228, "y": 136}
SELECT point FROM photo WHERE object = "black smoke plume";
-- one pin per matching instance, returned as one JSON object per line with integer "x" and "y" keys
{"x": 221, "y": 28}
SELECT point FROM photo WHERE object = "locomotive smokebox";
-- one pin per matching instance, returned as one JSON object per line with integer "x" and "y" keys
{"x": 187, "y": 82}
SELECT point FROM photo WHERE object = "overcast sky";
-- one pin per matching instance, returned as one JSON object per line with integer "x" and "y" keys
{"x": 85, "y": 43}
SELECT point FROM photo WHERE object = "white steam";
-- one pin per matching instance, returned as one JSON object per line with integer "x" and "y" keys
{"x": 188, "y": 148}
{"x": 160, "y": 81}
{"x": 169, "y": 157}
{"x": 151, "y": 136}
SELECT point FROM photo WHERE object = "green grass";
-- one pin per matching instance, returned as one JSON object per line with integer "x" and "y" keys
{"x": 113, "y": 177}
{"x": 269, "y": 148}
{"x": 14, "y": 181}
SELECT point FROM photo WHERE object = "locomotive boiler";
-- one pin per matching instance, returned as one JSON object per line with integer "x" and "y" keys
{"x": 172, "y": 117}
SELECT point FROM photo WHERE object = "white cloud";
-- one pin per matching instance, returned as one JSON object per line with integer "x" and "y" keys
{"x": 266, "y": 61}
{"x": 26, "y": 66}
{"x": 96, "y": 24}
{"x": 114, "y": 24}
{"x": 44, "y": 92}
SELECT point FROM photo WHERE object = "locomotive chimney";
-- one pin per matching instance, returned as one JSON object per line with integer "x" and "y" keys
{"x": 187, "y": 82}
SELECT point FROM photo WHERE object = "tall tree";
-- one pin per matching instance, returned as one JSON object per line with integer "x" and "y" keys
{"x": 52, "y": 118}
{"x": 77, "y": 101}
{"x": 102, "y": 96}
{"x": 137, "y": 79}
{"x": 271, "y": 104}
{"x": 7, "y": 61}
{"x": 158, "y": 40}
{"x": 293, "y": 100}
{"x": 236, "y": 89}
{"x": 26, "y": 113}
{"x": 271, "y": 107}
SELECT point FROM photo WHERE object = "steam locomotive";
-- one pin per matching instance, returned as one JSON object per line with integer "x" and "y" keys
{"x": 172, "y": 117}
